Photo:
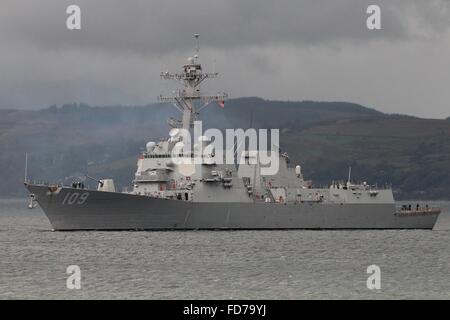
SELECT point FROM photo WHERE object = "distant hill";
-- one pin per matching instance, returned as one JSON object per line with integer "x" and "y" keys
{"x": 259, "y": 113}
{"x": 411, "y": 154}
{"x": 325, "y": 137}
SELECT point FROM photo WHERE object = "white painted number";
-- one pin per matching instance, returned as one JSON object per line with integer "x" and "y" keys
{"x": 374, "y": 280}
{"x": 83, "y": 198}
{"x": 73, "y": 21}
{"x": 74, "y": 279}
{"x": 75, "y": 197}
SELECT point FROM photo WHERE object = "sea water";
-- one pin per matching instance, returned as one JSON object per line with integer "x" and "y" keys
{"x": 291, "y": 264}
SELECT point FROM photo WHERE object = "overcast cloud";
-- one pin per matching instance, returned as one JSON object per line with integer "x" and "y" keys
{"x": 284, "y": 49}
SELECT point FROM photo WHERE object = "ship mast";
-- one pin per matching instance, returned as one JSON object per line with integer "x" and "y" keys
{"x": 184, "y": 99}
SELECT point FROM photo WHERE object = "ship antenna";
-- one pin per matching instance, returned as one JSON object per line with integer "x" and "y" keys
{"x": 197, "y": 43}
{"x": 26, "y": 167}
{"x": 349, "y": 174}
{"x": 191, "y": 77}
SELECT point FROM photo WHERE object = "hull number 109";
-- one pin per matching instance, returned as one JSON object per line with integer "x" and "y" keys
{"x": 75, "y": 198}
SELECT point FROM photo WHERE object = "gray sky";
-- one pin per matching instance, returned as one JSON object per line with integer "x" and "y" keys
{"x": 278, "y": 49}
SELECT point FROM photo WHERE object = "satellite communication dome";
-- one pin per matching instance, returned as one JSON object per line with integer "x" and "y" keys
{"x": 190, "y": 60}
{"x": 174, "y": 135}
{"x": 150, "y": 146}
{"x": 174, "y": 132}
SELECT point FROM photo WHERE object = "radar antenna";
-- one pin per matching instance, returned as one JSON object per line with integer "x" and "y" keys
{"x": 184, "y": 99}
{"x": 26, "y": 168}
{"x": 197, "y": 42}
{"x": 349, "y": 175}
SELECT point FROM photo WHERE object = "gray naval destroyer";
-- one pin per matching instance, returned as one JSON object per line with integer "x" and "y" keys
{"x": 209, "y": 194}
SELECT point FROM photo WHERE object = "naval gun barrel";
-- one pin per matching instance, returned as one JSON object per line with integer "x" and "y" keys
{"x": 95, "y": 179}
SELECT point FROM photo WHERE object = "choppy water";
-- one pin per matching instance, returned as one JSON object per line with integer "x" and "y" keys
{"x": 218, "y": 264}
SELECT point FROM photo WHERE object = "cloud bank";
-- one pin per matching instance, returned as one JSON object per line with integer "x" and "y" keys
{"x": 288, "y": 49}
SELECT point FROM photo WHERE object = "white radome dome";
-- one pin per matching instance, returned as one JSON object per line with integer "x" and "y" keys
{"x": 150, "y": 146}
{"x": 174, "y": 132}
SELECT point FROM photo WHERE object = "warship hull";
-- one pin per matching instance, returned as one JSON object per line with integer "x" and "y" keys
{"x": 82, "y": 209}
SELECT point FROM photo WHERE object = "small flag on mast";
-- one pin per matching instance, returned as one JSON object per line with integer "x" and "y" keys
{"x": 221, "y": 104}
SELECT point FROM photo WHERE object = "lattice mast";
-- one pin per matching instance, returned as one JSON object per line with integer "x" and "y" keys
{"x": 191, "y": 77}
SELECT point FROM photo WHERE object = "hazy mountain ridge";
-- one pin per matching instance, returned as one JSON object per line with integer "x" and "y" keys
{"x": 325, "y": 137}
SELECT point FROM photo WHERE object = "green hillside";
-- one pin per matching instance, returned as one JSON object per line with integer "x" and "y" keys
{"x": 411, "y": 154}
{"x": 324, "y": 137}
